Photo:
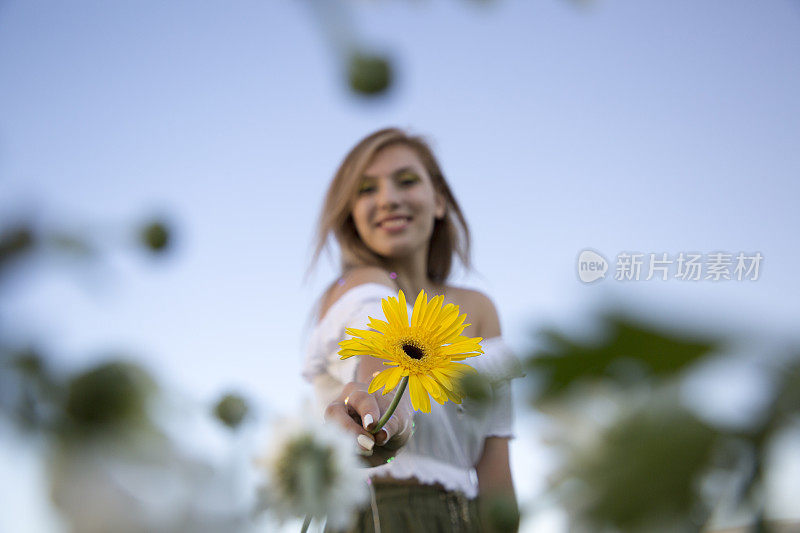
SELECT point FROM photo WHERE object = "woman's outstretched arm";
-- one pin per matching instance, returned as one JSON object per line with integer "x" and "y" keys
{"x": 495, "y": 487}
{"x": 499, "y": 511}
{"x": 360, "y": 404}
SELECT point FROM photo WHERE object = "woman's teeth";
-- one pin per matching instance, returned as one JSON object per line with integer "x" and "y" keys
{"x": 394, "y": 223}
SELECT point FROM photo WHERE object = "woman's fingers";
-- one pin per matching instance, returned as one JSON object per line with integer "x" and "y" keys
{"x": 364, "y": 405}
{"x": 359, "y": 412}
{"x": 399, "y": 427}
{"x": 341, "y": 414}
{"x": 395, "y": 426}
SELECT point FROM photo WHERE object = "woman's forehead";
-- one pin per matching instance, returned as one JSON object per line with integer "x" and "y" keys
{"x": 388, "y": 159}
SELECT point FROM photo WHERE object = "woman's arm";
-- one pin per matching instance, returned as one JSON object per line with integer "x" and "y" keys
{"x": 498, "y": 501}
{"x": 362, "y": 406}
{"x": 497, "y": 498}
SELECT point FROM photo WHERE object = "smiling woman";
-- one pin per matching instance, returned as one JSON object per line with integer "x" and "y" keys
{"x": 399, "y": 227}
{"x": 354, "y": 180}
{"x": 397, "y": 204}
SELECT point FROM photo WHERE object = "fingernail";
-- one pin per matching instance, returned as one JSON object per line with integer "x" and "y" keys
{"x": 365, "y": 442}
{"x": 367, "y": 420}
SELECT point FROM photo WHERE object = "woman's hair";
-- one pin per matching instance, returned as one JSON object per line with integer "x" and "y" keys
{"x": 450, "y": 234}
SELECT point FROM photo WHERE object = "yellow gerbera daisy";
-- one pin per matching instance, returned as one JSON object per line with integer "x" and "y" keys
{"x": 426, "y": 350}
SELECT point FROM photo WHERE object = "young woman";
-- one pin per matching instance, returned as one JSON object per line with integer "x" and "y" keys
{"x": 398, "y": 226}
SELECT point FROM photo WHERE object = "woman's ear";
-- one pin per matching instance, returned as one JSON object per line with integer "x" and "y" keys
{"x": 441, "y": 206}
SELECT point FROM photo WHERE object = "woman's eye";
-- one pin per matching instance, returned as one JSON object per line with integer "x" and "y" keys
{"x": 366, "y": 189}
{"x": 409, "y": 179}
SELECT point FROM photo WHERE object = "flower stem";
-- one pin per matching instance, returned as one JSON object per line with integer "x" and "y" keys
{"x": 401, "y": 388}
{"x": 306, "y": 523}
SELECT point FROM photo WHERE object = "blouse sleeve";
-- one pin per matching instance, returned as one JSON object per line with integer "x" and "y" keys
{"x": 499, "y": 365}
{"x": 352, "y": 310}
{"x": 501, "y": 414}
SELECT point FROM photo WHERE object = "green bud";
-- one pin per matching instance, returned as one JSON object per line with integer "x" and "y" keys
{"x": 477, "y": 388}
{"x": 14, "y": 241}
{"x": 369, "y": 74}
{"x": 108, "y": 396}
{"x": 231, "y": 410}
{"x": 155, "y": 236}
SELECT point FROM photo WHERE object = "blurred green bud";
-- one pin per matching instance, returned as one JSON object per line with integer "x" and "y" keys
{"x": 476, "y": 387}
{"x": 108, "y": 396}
{"x": 369, "y": 74}
{"x": 155, "y": 236}
{"x": 14, "y": 241}
{"x": 71, "y": 244}
{"x": 306, "y": 468}
{"x": 29, "y": 363}
{"x": 231, "y": 410}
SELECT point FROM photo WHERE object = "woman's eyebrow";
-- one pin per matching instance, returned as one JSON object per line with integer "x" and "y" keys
{"x": 395, "y": 173}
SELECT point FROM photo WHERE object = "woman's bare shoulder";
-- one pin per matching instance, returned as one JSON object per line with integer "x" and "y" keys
{"x": 353, "y": 278}
{"x": 480, "y": 310}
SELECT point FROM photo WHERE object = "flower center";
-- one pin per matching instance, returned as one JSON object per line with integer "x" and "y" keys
{"x": 413, "y": 352}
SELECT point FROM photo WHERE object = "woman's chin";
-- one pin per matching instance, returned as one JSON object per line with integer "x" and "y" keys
{"x": 397, "y": 252}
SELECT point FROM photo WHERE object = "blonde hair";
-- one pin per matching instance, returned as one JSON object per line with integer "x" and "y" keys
{"x": 450, "y": 234}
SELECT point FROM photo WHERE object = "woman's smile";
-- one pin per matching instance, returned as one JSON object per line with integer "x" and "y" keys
{"x": 394, "y": 224}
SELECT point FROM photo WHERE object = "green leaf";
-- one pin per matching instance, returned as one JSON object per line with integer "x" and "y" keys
{"x": 627, "y": 353}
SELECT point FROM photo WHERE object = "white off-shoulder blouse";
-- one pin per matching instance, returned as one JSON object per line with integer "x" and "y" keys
{"x": 447, "y": 442}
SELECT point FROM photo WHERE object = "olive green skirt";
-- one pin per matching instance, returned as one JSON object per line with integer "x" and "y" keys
{"x": 416, "y": 509}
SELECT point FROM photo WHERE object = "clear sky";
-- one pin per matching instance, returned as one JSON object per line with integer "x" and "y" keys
{"x": 646, "y": 126}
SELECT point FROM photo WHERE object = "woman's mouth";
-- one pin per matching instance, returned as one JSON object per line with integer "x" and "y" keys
{"x": 394, "y": 223}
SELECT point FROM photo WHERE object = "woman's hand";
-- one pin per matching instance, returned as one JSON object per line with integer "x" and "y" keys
{"x": 357, "y": 411}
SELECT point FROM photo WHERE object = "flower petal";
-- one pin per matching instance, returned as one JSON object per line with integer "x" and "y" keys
{"x": 419, "y": 398}
{"x": 402, "y": 309}
{"x": 443, "y": 335}
{"x": 379, "y": 380}
{"x": 419, "y": 309}
{"x": 441, "y": 377}
{"x": 393, "y": 378}
{"x": 434, "y": 307}
{"x": 446, "y": 317}
{"x": 433, "y": 388}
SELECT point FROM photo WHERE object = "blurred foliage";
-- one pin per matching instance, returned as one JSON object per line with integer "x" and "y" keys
{"x": 647, "y": 468}
{"x": 112, "y": 463}
{"x": 641, "y": 469}
{"x": 31, "y": 392}
{"x": 319, "y": 468}
{"x": 628, "y": 353}
{"x": 107, "y": 397}
{"x": 72, "y": 244}
{"x": 14, "y": 241}
{"x": 369, "y": 75}
{"x": 231, "y": 409}
{"x": 36, "y": 397}
{"x": 476, "y": 387}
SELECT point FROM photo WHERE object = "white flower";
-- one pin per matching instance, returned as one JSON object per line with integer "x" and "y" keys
{"x": 313, "y": 470}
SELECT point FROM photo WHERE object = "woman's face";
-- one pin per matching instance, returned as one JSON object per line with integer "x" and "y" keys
{"x": 396, "y": 203}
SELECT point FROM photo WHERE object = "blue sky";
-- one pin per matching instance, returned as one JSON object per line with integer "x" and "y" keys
{"x": 618, "y": 126}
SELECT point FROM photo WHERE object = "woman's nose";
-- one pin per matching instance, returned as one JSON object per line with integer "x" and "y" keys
{"x": 388, "y": 196}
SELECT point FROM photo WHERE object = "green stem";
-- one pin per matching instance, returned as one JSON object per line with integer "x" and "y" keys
{"x": 306, "y": 523}
{"x": 392, "y": 406}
